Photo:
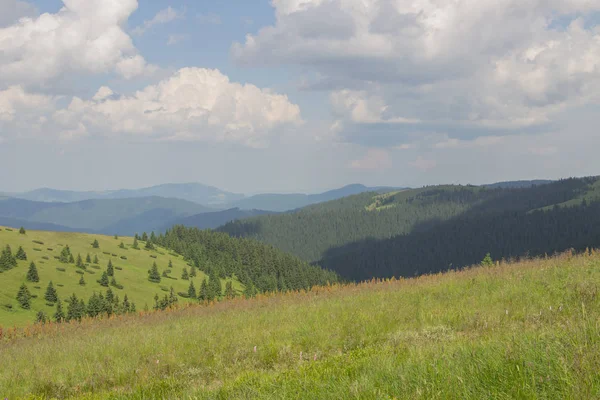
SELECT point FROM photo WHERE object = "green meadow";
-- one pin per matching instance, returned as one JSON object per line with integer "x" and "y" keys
{"x": 528, "y": 330}
{"x": 131, "y": 271}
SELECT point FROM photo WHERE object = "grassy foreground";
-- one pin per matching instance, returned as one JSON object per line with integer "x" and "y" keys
{"x": 529, "y": 330}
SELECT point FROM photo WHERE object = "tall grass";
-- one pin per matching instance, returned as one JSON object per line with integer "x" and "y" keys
{"x": 529, "y": 330}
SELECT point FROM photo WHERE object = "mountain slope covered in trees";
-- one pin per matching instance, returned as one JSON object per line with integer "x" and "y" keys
{"x": 433, "y": 228}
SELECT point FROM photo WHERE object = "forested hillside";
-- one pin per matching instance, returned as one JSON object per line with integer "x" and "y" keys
{"x": 433, "y": 228}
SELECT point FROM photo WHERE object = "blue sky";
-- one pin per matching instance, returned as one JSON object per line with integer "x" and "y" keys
{"x": 296, "y": 95}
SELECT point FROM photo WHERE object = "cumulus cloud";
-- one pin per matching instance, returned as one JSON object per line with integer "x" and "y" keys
{"x": 16, "y": 102}
{"x": 165, "y": 16}
{"x": 193, "y": 104}
{"x": 477, "y": 64}
{"x": 83, "y": 36}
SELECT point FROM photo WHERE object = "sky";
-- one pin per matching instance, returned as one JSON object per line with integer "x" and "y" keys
{"x": 296, "y": 95}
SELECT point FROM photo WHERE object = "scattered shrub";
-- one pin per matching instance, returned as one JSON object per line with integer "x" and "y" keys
{"x": 80, "y": 272}
{"x": 50, "y": 249}
{"x": 95, "y": 266}
{"x": 119, "y": 268}
{"x": 60, "y": 269}
{"x": 50, "y": 304}
{"x": 45, "y": 257}
{"x": 8, "y": 229}
{"x": 106, "y": 252}
{"x": 22, "y": 231}
{"x": 37, "y": 287}
{"x": 90, "y": 272}
{"x": 164, "y": 289}
{"x": 37, "y": 242}
{"x": 36, "y": 249}
{"x": 114, "y": 255}
{"x": 152, "y": 255}
{"x": 60, "y": 285}
{"x": 8, "y": 306}
{"x": 42, "y": 262}
{"x": 184, "y": 295}
{"x": 57, "y": 257}
{"x": 123, "y": 258}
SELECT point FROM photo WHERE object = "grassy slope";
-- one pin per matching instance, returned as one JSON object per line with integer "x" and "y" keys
{"x": 133, "y": 277}
{"x": 528, "y": 330}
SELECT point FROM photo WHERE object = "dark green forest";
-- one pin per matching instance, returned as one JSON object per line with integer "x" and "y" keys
{"x": 433, "y": 228}
{"x": 258, "y": 266}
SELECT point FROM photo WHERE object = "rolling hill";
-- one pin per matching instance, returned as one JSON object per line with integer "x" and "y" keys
{"x": 510, "y": 331}
{"x": 408, "y": 232}
{"x": 215, "y": 219}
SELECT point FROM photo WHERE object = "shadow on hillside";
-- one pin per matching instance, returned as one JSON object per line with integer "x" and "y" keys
{"x": 502, "y": 225}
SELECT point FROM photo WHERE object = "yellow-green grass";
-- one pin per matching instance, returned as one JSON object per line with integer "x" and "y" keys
{"x": 513, "y": 331}
{"x": 133, "y": 276}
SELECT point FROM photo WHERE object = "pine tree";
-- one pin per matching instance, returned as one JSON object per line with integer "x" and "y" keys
{"x": 79, "y": 262}
{"x": 59, "y": 315}
{"x": 214, "y": 286}
{"x": 487, "y": 261}
{"x": 82, "y": 281}
{"x": 229, "y": 292}
{"x": 122, "y": 245}
{"x": 75, "y": 308}
{"x": 24, "y": 297}
{"x": 192, "y": 290}
{"x": 96, "y": 261}
{"x": 126, "y": 305}
{"x": 184, "y": 274}
{"x": 110, "y": 271}
{"x": 144, "y": 237}
{"x": 170, "y": 264}
{"x": 172, "y": 297}
{"x": 110, "y": 296}
{"x": 41, "y": 318}
{"x": 22, "y": 231}
{"x": 135, "y": 243}
{"x": 51, "y": 295}
{"x": 88, "y": 259}
{"x": 95, "y": 244}
{"x": 103, "y": 280}
{"x": 21, "y": 255}
{"x": 153, "y": 275}
{"x": 113, "y": 282}
{"x": 65, "y": 254}
{"x": 250, "y": 290}
{"x": 132, "y": 308}
{"x": 32, "y": 274}
{"x": 149, "y": 245}
{"x": 203, "y": 295}
{"x": 152, "y": 237}
{"x": 193, "y": 272}
{"x": 136, "y": 237}
{"x": 7, "y": 260}
{"x": 71, "y": 259}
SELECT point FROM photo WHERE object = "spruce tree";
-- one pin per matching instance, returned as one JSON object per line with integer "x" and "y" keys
{"x": 149, "y": 245}
{"x": 110, "y": 271}
{"x": 24, "y": 297}
{"x": 71, "y": 259}
{"x": 170, "y": 264}
{"x": 113, "y": 282}
{"x": 136, "y": 237}
{"x": 487, "y": 261}
{"x": 184, "y": 274}
{"x": 250, "y": 290}
{"x": 95, "y": 244}
{"x": 88, "y": 259}
{"x": 82, "y": 281}
{"x": 96, "y": 261}
{"x": 152, "y": 237}
{"x": 203, "y": 295}
{"x": 172, "y": 297}
{"x": 79, "y": 262}
{"x": 75, "y": 311}
{"x": 135, "y": 243}
{"x": 193, "y": 272}
{"x": 21, "y": 255}
{"x": 126, "y": 305}
{"x": 51, "y": 295}
{"x": 59, "y": 315}
{"x": 7, "y": 260}
{"x": 229, "y": 292}
{"x": 103, "y": 280}
{"x": 22, "y": 231}
{"x": 122, "y": 245}
{"x": 144, "y": 237}
{"x": 41, "y": 318}
{"x": 192, "y": 290}
{"x": 214, "y": 286}
{"x": 32, "y": 273}
{"x": 110, "y": 296}
{"x": 65, "y": 255}
{"x": 153, "y": 274}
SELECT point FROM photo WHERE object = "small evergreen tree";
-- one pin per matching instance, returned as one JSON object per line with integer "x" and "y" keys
{"x": 152, "y": 237}
{"x": 7, "y": 260}
{"x": 75, "y": 309}
{"x": 149, "y": 245}
{"x": 135, "y": 243}
{"x": 136, "y": 237}
{"x": 59, "y": 315}
{"x": 71, "y": 259}
{"x": 41, "y": 318}
{"x": 113, "y": 282}
{"x": 22, "y": 231}
{"x": 126, "y": 305}
{"x": 184, "y": 274}
{"x": 95, "y": 244}
{"x": 51, "y": 295}
{"x": 122, "y": 245}
{"x": 24, "y": 297}
{"x": 21, "y": 255}
{"x": 170, "y": 264}
{"x": 172, "y": 297}
{"x": 192, "y": 290}
{"x": 229, "y": 292}
{"x": 203, "y": 294}
{"x": 32, "y": 273}
{"x": 88, "y": 259}
{"x": 193, "y": 272}
{"x": 153, "y": 275}
{"x": 65, "y": 254}
{"x": 110, "y": 270}
{"x": 82, "y": 281}
{"x": 79, "y": 262}
{"x": 250, "y": 290}
{"x": 144, "y": 237}
{"x": 214, "y": 286}
{"x": 487, "y": 261}
{"x": 104, "y": 280}
{"x": 96, "y": 261}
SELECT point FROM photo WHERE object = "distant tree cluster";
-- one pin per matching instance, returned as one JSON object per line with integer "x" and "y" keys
{"x": 98, "y": 305}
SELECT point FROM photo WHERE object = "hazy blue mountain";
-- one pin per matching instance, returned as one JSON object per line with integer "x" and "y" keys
{"x": 194, "y": 192}
{"x": 127, "y": 215}
{"x": 212, "y": 220}
{"x": 286, "y": 202}
{"x": 38, "y": 226}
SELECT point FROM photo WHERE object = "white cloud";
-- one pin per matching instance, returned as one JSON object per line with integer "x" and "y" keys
{"x": 209, "y": 19}
{"x": 84, "y": 36}
{"x": 12, "y": 10}
{"x": 374, "y": 159}
{"x": 165, "y": 16}
{"x": 193, "y": 104}
{"x": 175, "y": 38}
{"x": 478, "y": 64}
{"x": 15, "y": 103}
